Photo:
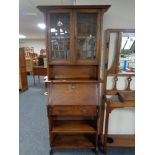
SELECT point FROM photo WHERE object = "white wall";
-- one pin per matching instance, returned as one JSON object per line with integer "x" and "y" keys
{"x": 38, "y": 44}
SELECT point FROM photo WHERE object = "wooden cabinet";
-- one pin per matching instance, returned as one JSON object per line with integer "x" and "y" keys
{"x": 73, "y": 39}
{"x": 23, "y": 84}
{"x": 31, "y": 59}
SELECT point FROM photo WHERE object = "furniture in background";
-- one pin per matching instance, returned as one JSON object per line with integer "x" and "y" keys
{"x": 74, "y": 41}
{"x": 41, "y": 68}
{"x": 23, "y": 84}
{"x": 31, "y": 59}
{"x": 43, "y": 52}
{"x": 29, "y": 65}
{"x": 45, "y": 62}
{"x": 39, "y": 71}
{"x": 116, "y": 42}
{"x": 43, "y": 55}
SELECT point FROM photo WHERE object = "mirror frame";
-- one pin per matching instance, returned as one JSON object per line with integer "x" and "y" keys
{"x": 114, "y": 67}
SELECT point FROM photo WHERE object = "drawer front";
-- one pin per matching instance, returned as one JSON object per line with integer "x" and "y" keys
{"x": 72, "y": 111}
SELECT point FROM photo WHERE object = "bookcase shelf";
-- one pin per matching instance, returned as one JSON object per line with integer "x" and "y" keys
{"x": 73, "y": 141}
{"x": 73, "y": 126}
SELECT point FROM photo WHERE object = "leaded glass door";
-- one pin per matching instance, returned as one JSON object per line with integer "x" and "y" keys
{"x": 86, "y": 43}
{"x": 60, "y": 37}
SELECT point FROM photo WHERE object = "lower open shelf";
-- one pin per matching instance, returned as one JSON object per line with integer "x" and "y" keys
{"x": 73, "y": 141}
{"x": 74, "y": 126}
{"x": 121, "y": 141}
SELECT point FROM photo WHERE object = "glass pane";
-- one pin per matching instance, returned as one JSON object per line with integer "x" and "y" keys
{"x": 127, "y": 53}
{"x": 86, "y": 35}
{"x": 60, "y": 36}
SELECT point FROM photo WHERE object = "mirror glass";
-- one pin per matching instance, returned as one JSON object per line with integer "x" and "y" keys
{"x": 112, "y": 49}
{"x": 127, "y": 53}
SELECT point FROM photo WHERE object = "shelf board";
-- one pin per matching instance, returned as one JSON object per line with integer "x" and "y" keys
{"x": 122, "y": 141}
{"x": 72, "y": 141}
{"x": 73, "y": 126}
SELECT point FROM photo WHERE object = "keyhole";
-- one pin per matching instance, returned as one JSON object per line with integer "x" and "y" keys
{"x": 73, "y": 86}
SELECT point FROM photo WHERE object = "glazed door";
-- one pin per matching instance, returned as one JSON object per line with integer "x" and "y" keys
{"x": 74, "y": 37}
{"x": 60, "y": 37}
{"x": 87, "y": 27}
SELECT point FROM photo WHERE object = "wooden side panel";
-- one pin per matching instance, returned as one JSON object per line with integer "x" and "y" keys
{"x": 22, "y": 61}
{"x": 24, "y": 81}
{"x": 73, "y": 72}
{"x": 22, "y": 70}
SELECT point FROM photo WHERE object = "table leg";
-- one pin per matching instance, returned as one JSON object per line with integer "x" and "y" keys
{"x": 34, "y": 79}
{"x": 39, "y": 78}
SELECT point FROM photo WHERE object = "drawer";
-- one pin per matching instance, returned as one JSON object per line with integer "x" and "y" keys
{"x": 72, "y": 110}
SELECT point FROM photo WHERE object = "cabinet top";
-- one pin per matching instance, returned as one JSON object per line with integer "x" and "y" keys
{"x": 45, "y": 8}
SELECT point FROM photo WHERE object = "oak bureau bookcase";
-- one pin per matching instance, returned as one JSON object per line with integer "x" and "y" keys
{"x": 73, "y": 44}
